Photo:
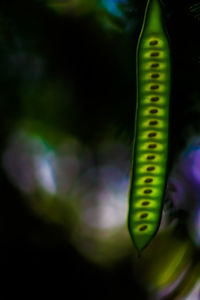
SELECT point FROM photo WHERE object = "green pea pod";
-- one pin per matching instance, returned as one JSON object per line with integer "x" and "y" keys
{"x": 150, "y": 147}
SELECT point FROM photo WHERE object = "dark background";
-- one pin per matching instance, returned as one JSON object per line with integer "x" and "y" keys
{"x": 100, "y": 66}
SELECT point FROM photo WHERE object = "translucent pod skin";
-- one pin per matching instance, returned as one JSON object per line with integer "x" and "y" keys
{"x": 150, "y": 147}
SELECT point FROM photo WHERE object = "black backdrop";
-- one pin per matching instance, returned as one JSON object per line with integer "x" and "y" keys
{"x": 101, "y": 67}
